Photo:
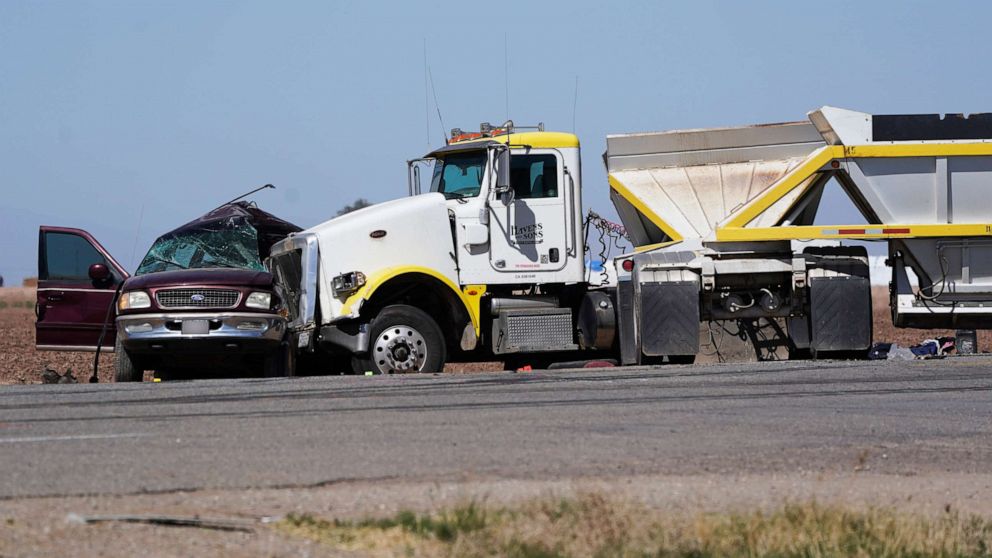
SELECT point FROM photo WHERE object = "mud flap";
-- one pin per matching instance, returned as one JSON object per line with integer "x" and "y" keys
{"x": 625, "y": 326}
{"x": 668, "y": 316}
{"x": 840, "y": 300}
{"x": 840, "y": 309}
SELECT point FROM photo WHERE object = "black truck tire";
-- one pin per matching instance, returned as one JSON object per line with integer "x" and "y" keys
{"x": 124, "y": 367}
{"x": 402, "y": 339}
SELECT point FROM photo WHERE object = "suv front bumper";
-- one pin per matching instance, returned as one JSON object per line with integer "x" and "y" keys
{"x": 161, "y": 333}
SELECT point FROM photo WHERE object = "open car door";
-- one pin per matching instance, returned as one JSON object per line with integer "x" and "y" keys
{"x": 77, "y": 279}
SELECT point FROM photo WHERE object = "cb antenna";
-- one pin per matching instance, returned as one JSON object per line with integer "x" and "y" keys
{"x": 575, "y": 102}
{"x": 246, "y": 195}
{"x": 427, "y": 98}
{"x": 440, "y": 119}
{"x": 506, "y": 71}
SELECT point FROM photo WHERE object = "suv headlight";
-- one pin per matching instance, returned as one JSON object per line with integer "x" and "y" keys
{"x": 133, "y": 300}
{"x": 262, "y": 301}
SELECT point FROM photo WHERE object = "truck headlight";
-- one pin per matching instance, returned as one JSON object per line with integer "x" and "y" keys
{"x": 133, "y": 300}
{"x": 348, "y": 282}
{"x": 262, "y": 301}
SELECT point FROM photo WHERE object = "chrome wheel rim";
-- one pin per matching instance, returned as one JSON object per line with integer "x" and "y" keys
{"x": 399, "y": 349}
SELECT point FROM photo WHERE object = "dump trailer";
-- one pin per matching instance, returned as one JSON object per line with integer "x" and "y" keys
{"x": 716, "y": 213}
{"x": 490, "y": 262}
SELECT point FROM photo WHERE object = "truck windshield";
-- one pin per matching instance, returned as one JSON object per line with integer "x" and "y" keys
{"x": 459, "y": 175}
{"x": 232, "y": 243}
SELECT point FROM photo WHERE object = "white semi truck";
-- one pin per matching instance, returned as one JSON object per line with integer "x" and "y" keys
{"x": 490, "y": 263}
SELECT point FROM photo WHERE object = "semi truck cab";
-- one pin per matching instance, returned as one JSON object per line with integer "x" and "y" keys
{"x": 401, "y": 285}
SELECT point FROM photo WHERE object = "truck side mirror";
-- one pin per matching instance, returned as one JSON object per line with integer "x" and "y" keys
{"x": 502, "y": 171}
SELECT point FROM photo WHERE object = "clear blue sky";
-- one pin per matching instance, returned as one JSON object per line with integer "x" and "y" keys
{"x": 115, "y": 113}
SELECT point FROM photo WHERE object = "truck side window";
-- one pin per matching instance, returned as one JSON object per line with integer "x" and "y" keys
{"x": 68, "y": 257}
{"x": 534, "y": 176}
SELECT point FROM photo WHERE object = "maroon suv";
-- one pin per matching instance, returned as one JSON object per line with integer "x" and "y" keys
{"x": 200, "y": 298}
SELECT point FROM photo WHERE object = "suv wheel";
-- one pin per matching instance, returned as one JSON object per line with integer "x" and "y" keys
{"x": 124, "y": 367}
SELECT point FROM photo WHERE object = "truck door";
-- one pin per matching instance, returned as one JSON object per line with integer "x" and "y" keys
{"x": 528, "y": 235}
{"x": 76, "y": 282}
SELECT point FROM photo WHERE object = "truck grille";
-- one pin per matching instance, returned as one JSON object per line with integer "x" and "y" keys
{"x": 197, "y": 298}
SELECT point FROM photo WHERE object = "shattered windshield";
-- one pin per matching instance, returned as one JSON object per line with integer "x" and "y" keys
{"x": 229, "y": 243}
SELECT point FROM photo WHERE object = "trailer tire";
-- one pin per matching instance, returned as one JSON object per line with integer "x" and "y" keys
{"x": 403, "y": 339}
{"x": 125, "y": 369}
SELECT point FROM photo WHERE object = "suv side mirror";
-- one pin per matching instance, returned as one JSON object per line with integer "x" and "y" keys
{"x": 502, "y": 171}
{"x": 99, "y": 273}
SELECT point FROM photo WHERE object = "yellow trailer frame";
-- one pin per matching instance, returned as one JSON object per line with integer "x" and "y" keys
{"x": 825, "y": 159}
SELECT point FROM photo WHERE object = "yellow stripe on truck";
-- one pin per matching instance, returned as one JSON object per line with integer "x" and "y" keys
{"x": 823, "y": 156}
{"x": 865, "y": 232}
{"x": 531, "y": 139}
{"x": 813, "y": 163}
{"x": 471, "y": 302}
{"x": 919, "y": 150}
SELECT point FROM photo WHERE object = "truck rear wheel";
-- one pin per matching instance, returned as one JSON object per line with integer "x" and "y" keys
{"x": 124, "y": 368}
{"x": 403, "y": 339}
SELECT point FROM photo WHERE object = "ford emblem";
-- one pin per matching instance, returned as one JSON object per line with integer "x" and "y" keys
{"x": 197, "y": 297}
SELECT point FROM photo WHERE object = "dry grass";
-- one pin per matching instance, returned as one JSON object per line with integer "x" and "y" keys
{"x": 594, "y": 525}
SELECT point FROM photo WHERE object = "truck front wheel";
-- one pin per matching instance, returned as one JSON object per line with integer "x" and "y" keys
{"x": 403, "y": 339}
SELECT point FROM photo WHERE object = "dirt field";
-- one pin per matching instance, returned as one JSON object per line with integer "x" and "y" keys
{"x": 21, "y": 363}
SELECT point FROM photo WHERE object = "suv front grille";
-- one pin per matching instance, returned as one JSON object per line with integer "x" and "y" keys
{"x": 197, "y": 298}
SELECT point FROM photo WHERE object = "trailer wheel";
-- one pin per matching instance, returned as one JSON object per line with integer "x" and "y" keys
{"x": 124, "y": 367}
{"x": 403, "y": 339}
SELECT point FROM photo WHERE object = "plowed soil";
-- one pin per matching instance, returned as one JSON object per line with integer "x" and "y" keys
{"x": 20, "y": 363}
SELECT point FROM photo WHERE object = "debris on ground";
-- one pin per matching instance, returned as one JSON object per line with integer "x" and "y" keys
{"x": 50, "y": 376}
{"x": 933, "y": 347}
{"x": 170, "y": 520}
{"x": 928, "y": 348}
{"x": 966, "y": 341}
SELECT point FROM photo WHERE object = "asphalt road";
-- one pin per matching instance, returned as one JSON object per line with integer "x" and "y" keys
{"x": 892, "y": 417}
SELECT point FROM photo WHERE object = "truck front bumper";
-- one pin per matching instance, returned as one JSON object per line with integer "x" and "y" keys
{"x": 200, "y": 332}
